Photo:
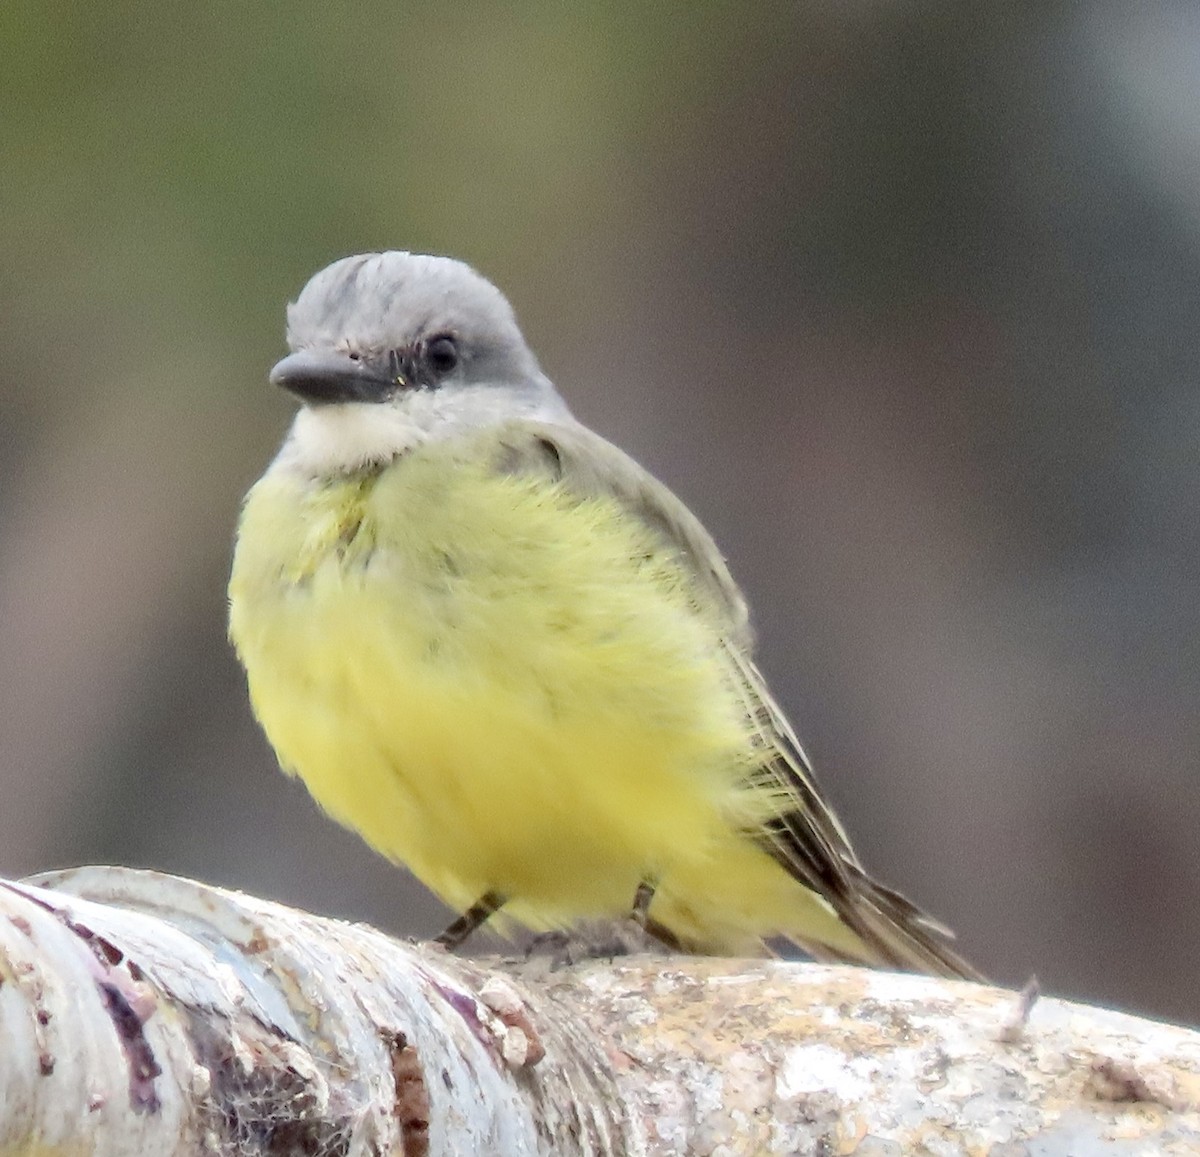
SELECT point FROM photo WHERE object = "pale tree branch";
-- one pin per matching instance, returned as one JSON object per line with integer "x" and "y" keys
{"x": 144, "y": 1014}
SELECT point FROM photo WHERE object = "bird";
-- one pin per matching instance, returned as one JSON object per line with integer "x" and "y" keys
{"x": 512, "y": 660}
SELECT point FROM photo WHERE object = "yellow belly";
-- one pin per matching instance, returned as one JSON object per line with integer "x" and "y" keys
{"x": 505, "y": 688}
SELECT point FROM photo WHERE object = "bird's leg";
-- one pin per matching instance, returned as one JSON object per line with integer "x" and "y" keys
{"x": 472, "y": 919}
{"x": 640, "y": 915}
{"x": 641, "y": 902}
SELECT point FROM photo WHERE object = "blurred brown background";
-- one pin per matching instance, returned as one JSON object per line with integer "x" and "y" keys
{"x": 902, "y": 299}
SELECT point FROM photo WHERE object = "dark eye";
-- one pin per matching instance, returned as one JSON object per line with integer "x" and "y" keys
{"x": 441, "y": 353}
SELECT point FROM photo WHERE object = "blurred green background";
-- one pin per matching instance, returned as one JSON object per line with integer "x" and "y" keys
{"x": 901, "y": 299}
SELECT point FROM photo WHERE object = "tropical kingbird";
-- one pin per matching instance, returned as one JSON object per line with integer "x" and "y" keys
{"x": 511, "y": 659}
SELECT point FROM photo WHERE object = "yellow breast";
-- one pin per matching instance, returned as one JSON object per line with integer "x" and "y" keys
{"x": 496, "y": 682}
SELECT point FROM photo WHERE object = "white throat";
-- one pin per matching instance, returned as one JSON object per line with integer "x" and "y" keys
{"x": 339, "y": 439}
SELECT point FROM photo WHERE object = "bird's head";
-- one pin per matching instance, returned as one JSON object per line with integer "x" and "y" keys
{"x": 393, "y": 349}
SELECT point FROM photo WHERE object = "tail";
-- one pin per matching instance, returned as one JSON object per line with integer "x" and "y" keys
{"x": 891, "y": 930}
{"x": 895, "y": 933}
{"x": 806, "y": 838}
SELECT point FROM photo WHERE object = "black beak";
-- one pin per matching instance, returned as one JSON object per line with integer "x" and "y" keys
{"x": 323, "y": 378}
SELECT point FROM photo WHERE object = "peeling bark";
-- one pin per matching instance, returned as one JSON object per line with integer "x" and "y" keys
{"x": 145, "y": 1014}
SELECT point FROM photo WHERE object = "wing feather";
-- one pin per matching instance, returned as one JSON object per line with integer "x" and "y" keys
{"x": 803, "y": 835}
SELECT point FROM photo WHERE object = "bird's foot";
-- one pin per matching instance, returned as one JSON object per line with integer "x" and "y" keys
{"x": 601, "y": 940}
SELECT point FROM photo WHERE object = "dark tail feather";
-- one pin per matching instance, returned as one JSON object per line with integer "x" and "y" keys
{"x": 897, "y": 933}
{"x": 805, "y": 837}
